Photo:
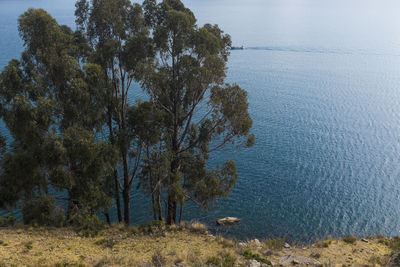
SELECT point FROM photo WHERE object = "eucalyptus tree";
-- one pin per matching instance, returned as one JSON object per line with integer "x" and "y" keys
{"x": 204, "y": 113}
{"x": 53, "y": 106}
{"x": 120, "y": 44}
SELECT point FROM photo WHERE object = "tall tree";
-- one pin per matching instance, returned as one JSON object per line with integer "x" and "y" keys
{"x": 204, "y": 113}
{"x": 120, "y": 43}
{"x": 53, "y": 106}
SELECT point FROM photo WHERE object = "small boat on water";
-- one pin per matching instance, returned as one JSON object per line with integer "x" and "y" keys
{"x": 237, "y": 47}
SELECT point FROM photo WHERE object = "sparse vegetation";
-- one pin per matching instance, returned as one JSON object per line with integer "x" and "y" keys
{"x": 105, "y": 242}
{"x": 315, "y": 255}
{"x": 28, "y": 245}
{"x": 274, "y": 244}
{"x": 226, "y": 243}
{"x": 384, "y": 241}
{"x": 324, "y": 243}
{"x": 394, "y": 243}
{"x": 198, "y": 227}
{"x": 155, "y": 244}
{"x": 247, "y": 254}
{"x": 87, "y": 225}
{"x": 214, "y": 261}
{"x": 7, "y": 221}
{"x": 158, "y": 259}
{"x": 350, "y": 239}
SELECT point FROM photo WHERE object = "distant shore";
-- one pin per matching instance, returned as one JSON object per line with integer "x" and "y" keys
{"x": 187, "y": 245}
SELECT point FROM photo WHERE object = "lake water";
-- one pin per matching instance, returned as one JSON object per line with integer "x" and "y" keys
{"x": 323, "y": 79}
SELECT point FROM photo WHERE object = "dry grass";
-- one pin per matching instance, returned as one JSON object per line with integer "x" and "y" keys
{"x": 177, "y": 246}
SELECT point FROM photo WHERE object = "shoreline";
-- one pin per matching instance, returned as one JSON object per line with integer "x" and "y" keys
{"x": 186, "y": 245}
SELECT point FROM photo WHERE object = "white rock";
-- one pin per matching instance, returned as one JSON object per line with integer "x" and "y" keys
{"x": 254, "y": 263}
{"x": 257, "y": 242}
{"x": 242, "y": 245}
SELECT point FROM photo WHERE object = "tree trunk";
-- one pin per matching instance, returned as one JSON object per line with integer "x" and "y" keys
{"x": 180, "y": 214}
{"x": 160, "y": 218}
{"x": 172, "y": 203}
{"x": 112, "y": 141}
{"x": 171, "y": 217}
{"x": 126, "y": 198}
{"x": 117, "y": 199}
{"x": 127, "y": 187}
{"x": 107, "y": 217}
{"x": 153, "y": 206}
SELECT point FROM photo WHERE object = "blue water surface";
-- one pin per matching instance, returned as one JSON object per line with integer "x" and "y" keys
{"x": 323, "y": 80}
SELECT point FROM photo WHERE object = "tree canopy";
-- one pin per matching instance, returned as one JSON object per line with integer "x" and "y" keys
{"x": 78, "y": 133}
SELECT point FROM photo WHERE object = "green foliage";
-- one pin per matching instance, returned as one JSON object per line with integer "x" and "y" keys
{"x": 229, "y": 261}
{"x": 28, "y": 245}
{"x": 7, "y": 221}
{"x": 87, "y": 225}
{"x": 215, "y": 261}
{"x": 226, "y": 261}
{"x": 247, "y": 254}
{"x": 53, "y": 105}
{"x": 43, "y": 211}
{"x": 92, "y": 160}
{"x": 384, "y": 241}
{"x": 350, "y": 239}
{"x": 74, "y": 130}
{"x": 153, "y": 228}
{"x": 189, "y": 72}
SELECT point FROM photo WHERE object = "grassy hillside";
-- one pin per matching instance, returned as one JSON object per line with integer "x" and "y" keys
{"x": 189, "y": 245}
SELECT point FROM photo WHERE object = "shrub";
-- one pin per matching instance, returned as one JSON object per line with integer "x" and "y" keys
{"x": 87, "y": 225}
{"x": 7, "y": 221}
{"x": 194, "y": 260}
{"x": 197, "y": 227}
{"x": 105, "y": 242}
{"x": 28, "y": 245}
{"x": 394, "y": 243}
{"x": 216, "y": 261}
{"x": 133, "y": 230}
{"x": 154, "y": 227}
{"x": 248, "y": 255}
{"x": 315, "y": 255}
{"x": 42, "y": 211}
{"x": 229, "y": 261}
{"x": 226, "y": 243}
{"x": 276, "y": 244}
{"x": 384, "y": 241}
{"x": 324, "y": 244}
{"x": 158, "y": 259}
{"x": 394, "y": 259}
{"x": 350, "y": 239}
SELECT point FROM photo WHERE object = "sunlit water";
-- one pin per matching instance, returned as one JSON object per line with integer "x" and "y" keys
{"x": 323, "y": 79}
